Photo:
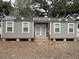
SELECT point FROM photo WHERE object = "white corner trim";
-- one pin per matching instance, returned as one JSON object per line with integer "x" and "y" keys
{"x": 6, "y": 26}
{"x": 69, "y": 27}
{"x": 59, "y": 28}
{"x": 28, "y": 27}
{"x": 12, "y": 26}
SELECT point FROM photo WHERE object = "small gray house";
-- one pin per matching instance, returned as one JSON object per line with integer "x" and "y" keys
{"x": 38, "y": 29}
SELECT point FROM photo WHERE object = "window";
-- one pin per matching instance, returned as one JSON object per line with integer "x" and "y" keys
{"x": 70, "y": 27}
{"x": 57, "y": 28}
{"x": 25, "y": 27}
{"x": 9, "y": 26}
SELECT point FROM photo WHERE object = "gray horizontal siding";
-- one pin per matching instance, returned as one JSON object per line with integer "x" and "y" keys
{"x": 64, "y": 31}
{"x": 18, "y": 31}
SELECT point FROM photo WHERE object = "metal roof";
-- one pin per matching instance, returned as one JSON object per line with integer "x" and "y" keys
{"x": 9, "y": 18}
{"x": 38, "y": 19}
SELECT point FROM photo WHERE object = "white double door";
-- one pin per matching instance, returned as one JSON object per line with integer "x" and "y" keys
{"x": 40, "y": 30}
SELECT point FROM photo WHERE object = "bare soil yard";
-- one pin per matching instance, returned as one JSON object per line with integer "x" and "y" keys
{"x": 35, "y": 50}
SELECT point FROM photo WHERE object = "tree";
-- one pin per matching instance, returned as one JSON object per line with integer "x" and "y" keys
{"x": 22, "y": 8}
{"x": 25, "y": 12}
{"x": 5, "y": 7}
{"x": 1, "y": 3}
{"x": 50, "y": 8}
{"x": 59, "y": 9}
{"x": 76, "y": 6}
{"x": 43, "y": 9}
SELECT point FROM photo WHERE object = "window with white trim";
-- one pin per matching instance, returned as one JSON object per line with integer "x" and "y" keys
{"x": 25, "y": 27}
{"x": 70, "y": 27}
{"x": 57, "y": 27}
{"x": 9, "y": 26}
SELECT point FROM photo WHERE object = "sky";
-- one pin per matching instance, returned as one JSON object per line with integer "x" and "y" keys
{"x": 12, "y": 2}
{"x": 9, "y": 0}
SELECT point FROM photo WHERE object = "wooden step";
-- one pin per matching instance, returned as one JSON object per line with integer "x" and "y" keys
{"x": 42, "y": 43}
{"x": 41, "y": 39}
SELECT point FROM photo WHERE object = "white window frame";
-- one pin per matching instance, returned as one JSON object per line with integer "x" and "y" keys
{"x": 23, "y": 27}
{"x": 69, "y": 27}
{"x": 56, "y": 27}
{"x": 12, "y": 26}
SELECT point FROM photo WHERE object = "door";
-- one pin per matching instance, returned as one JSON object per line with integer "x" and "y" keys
{"x": 37, "y": 30}
{"x": 43, "y": 30}
{"x": 40, "y": 30}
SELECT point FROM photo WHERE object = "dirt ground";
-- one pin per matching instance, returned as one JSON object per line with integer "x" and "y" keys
{"x": 38, "y": 50}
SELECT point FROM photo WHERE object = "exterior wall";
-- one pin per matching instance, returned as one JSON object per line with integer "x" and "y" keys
{"x": 18, "y": 31}
{"x": 1, "y": 28}
{"x": 77, "y": 29}
{"x": 64, "y": 31}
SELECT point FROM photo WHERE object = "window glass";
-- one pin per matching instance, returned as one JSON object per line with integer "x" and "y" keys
{"x": 9, "y": 26}
{"x": 25, "y": 26}
{"x": 25, "y": 29}
{"x": 71, "y": 28}
{"x": 57, "y": 27}
{"x": 9, "y": 29}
